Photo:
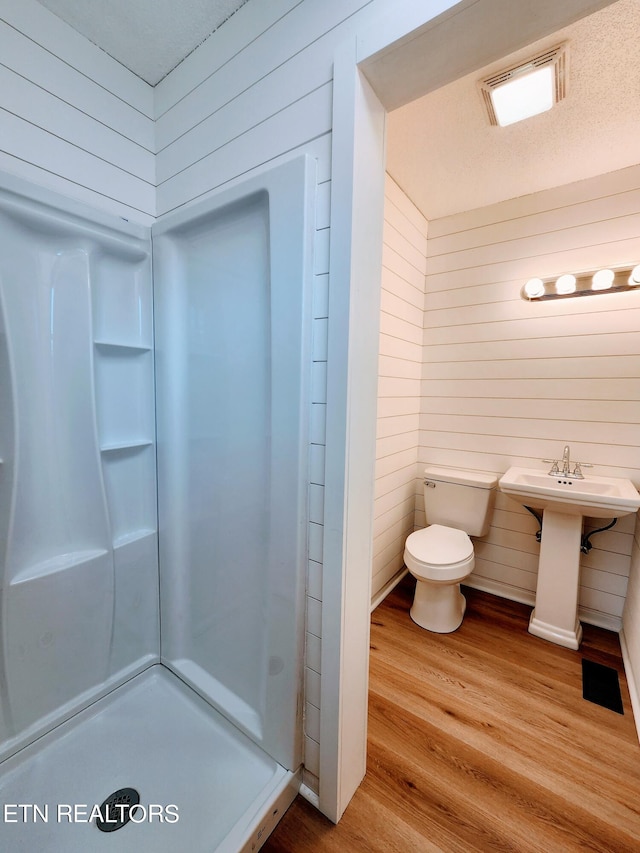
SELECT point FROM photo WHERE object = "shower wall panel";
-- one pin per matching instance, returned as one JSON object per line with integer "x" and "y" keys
{"x": 78, "y": 549}
{"x": 232, "y": 320}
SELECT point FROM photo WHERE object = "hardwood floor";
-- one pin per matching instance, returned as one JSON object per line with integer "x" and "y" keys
{"x": 480, "y": 740}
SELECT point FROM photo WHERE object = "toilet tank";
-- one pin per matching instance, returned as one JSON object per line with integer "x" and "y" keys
{"x": 461, "y": 499}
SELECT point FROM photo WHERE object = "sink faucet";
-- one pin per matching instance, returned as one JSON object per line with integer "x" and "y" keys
{"x": 566, "y": 466}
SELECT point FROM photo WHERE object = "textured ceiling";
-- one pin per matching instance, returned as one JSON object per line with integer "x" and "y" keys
{"x": 442, "y": 151}
{"x": 149, "y": 37}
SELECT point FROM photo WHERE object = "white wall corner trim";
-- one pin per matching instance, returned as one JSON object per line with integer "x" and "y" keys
{"x": 354, "y": 304}
{"x": 632, "y": 684}
{"x": 388, "y": 588}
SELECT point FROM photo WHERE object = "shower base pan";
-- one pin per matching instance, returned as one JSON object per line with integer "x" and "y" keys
{"x": 203, "y": 785}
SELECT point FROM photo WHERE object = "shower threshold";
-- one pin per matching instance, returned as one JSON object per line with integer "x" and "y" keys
{"x": 203, "y": 785}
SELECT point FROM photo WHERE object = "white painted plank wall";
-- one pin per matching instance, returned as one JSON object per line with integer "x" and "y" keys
{"x": 71, "y": 118}
{"x": 248, "y": 96}
{"x": 400, "y": 370}
{"x": 508, "y": 382}
{"x": 316, "y": 488}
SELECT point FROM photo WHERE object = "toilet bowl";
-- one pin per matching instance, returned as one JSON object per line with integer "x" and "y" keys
{"x": 458, "y": 504}
{"x": 439, "y": 558}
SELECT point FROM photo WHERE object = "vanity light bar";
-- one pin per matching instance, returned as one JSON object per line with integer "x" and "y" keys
{"x": 613, "y": 280}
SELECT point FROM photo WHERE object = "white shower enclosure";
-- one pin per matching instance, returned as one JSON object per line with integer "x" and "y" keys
{"x": 152, "y": 594}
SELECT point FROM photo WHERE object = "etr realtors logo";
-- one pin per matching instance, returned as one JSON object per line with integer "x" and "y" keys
{"x": 82, "y": 813}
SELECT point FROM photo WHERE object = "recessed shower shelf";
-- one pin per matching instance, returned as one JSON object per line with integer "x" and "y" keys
{"x": 134, "y": 536}
{"x": 128, "y": 468}
{"x": 121, "y": 347}
{"x": 124, "y": 446}
{"x": 57, "y": 564}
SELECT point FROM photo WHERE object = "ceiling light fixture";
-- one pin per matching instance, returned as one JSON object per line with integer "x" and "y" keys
{"x": 609, "y": 280}
{"x": 527, "y": 89}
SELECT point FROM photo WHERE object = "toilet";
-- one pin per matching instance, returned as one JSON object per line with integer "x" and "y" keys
{"x": 457, "y": 505}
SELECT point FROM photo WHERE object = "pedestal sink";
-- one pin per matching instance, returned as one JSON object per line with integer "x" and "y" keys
{"x": 564, "y": 502}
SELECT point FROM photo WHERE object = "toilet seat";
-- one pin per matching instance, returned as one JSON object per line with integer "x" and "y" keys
{"x": 439, "y": 553}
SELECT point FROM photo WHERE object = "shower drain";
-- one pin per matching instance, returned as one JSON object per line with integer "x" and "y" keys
{"x": 116, "y": 810}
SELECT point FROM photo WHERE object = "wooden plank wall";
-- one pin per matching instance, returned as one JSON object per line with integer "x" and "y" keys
{"x": 71, "y": 118}
{"x": 508, "y": 382}
{"x": 400, "y": 370}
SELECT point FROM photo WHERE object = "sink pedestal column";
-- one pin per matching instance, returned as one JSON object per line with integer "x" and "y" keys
{"x": 555, "y": 616}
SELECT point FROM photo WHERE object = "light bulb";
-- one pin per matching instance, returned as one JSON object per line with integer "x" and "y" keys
{"x": 602, "y": 280}
{"x": 634, "y": 278}
{"x": 534, "y": 287}
{"x": 566, "y": 284}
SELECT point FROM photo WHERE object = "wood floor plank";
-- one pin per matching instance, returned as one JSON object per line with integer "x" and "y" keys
{"x": 480, "y": 741}
{"x": 521, "y": 744}
{"x": 494, "y": 807}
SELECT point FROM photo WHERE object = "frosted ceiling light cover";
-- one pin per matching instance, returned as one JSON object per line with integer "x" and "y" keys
{"x": 526, "y": 89}
{"x": 523, "y": 97}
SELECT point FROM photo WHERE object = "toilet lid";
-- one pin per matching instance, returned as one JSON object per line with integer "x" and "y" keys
{"x": 440, "y": 545}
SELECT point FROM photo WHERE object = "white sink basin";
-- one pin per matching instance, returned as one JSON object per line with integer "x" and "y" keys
{"x": 594, "y": 497}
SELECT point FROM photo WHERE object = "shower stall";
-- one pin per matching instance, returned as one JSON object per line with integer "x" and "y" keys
{"x": 153, "y": 515}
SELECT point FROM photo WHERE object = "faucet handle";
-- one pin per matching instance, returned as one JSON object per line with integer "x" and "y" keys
{"x": 577, "y": 471}
{"x": 554, "y": 466}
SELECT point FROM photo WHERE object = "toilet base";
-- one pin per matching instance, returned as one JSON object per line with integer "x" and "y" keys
{"x": 438, "y": 607}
